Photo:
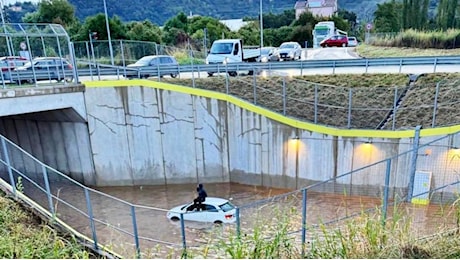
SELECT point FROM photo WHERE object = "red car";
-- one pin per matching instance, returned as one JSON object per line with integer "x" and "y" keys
{"x": 11, "y": 62}
{"x": 336, "y": 40}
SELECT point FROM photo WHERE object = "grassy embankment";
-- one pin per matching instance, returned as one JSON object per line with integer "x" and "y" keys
{"x": 23, "y": 235}
{"x": 412, "y": 43}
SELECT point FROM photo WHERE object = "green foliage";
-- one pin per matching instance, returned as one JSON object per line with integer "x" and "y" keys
{"x": 421, "y": 39}
{"x": 22, "y": 236}
{"x": 272, "y": 20}
{"x": 144, "y": 31}
{"x": 53, "y": 11}
{"x": 387, "y": 17}
{"x": 97, "y": 23}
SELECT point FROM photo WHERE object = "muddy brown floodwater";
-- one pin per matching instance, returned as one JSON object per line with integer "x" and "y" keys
{"x": 160, "y": 237}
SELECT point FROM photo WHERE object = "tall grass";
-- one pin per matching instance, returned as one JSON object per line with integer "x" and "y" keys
{"x": 23, "y": 236}
{"x": 367, "y": 235}
{"x": 449, "y": 39}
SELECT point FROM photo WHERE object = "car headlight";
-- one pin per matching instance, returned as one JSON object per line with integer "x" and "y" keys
{"x": 264, "y": 59}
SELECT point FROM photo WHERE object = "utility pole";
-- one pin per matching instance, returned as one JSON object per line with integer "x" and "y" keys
{"x": 261, "y": 29}
{"x": 108, "y": 33}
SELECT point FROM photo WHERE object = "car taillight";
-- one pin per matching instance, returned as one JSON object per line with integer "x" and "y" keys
{"x": 228, "y": 216}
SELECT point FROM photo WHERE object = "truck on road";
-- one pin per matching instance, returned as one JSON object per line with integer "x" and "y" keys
{"x": 228, "y": 51}
{"x": 324, "y": 30}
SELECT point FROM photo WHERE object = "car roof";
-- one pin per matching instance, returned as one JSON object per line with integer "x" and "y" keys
{"x": 215, "y": 201}
{"x": 154, "y": 56}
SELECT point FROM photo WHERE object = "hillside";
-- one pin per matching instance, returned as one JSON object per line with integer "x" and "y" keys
{"x": 160, "y": 11}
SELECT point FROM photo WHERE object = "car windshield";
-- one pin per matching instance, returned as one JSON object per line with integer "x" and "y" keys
{"x": 287, "y": 46}
{"x": 321, "y": 32}
{"x": 266, "y": 51}
{"x": 227, "y": 206}
{"x": 144, "y": 61}
{"x": 221, "y": 48}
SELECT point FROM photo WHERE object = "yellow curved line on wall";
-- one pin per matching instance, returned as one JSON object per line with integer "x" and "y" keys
{"x": 272, "y": 115}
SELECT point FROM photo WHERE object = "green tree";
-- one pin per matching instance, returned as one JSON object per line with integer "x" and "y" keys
{"x": 415, "y": 14}
{"x": 53, "y": 11}
{"x": 214, "y": 29}
{"x": 143, "y": 31}
{"x": 97, "y": 24}
{"x": 447, "y": 11}
{"x": 278, "y": 20}
{"x": 179, "y": 21}
{"x": 250, "y": 33}
{"x": 387, "y": 18}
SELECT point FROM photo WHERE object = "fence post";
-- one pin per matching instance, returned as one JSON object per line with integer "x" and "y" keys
{"x": 91, "y": 218}
{"x": 333, "y": 67}
{"x": 48, "y": 191}
{"x": 367, "y": 65}
{"x": 304, "y": 220}
{"x": 386, "y": 192}
{"x": 238, "y": 224}
{"x": 414, "y": 162}
{"x": 316, "y": 104}
{"x": 400, "y": 65}
{"x": 395, "y": 103}
{"x": 123, "y": 61}
{"x": 182, "y": 230}
{"x": 350, "y": 96}
{"x": 227, "y": 83}
{"x": 255, "y": 88}
{"x": 8, "y": 165}
{"x": 136, "y": 235}
{"x": 284, "y": 96}
{"x": 435, "y": 105}
{"x": 435, "y": 64}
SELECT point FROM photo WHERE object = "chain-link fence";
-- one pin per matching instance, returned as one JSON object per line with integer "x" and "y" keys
{"x": 388, "y": 187}
{"x": 128, "y": 51}
{"x": 384, "y": 108}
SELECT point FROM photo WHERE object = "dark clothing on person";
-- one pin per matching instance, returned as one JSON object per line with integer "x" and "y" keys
{"x": 197, "y": 202}
{"x": 201, "y": 193}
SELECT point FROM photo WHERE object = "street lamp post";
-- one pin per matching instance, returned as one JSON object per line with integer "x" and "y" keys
{"x": 108, "y": 33}
{"x": 261, "y": 29}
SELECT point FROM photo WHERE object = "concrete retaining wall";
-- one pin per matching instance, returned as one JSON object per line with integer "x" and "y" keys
{"x": 143, "y": 135}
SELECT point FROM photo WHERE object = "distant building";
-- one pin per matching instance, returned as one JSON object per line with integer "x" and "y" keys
{"x": 234, "y": 24}
{"x": 325, "y": 8}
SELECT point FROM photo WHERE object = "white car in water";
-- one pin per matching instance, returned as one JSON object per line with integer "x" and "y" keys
{"x": 215, "y": 210}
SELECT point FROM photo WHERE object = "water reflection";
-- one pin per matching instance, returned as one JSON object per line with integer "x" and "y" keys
{"x": 163, "y": 238}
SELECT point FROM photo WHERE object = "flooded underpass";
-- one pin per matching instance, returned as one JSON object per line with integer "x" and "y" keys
{"x": 260, "y": 207}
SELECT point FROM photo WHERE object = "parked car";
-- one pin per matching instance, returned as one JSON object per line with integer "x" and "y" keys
{"x": 217, "y": 210}
{"x": 149, "y": 65}
{"x": 45, "y": 68}
{"x": 352, "y": 41}
{"x": 336, "y": 40}
{"x": 8, "y": 64}
{"x": 268, "y": 54}
{"x": 290, "y": 51}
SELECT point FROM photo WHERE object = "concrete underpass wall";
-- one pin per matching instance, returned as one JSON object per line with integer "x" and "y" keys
{"x": 51, "y": 126}
{"x": 142, "y": 135}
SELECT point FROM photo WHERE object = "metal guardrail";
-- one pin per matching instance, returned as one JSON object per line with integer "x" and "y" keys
{"x": 102, "y": 69}
{"x": 97, "y": 69}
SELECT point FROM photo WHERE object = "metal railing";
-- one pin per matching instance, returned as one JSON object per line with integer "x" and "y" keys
{"x": 130, "y": 231}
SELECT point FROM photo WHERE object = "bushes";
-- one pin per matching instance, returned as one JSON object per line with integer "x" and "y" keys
{"x": 449, "y": 39}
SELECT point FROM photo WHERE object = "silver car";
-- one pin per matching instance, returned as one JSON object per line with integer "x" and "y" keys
{"x": 290, "y": 51}
{"x": 153, "y": 65}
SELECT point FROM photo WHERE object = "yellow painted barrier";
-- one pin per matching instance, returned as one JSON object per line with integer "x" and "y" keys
{"x": 275, "y": 116}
